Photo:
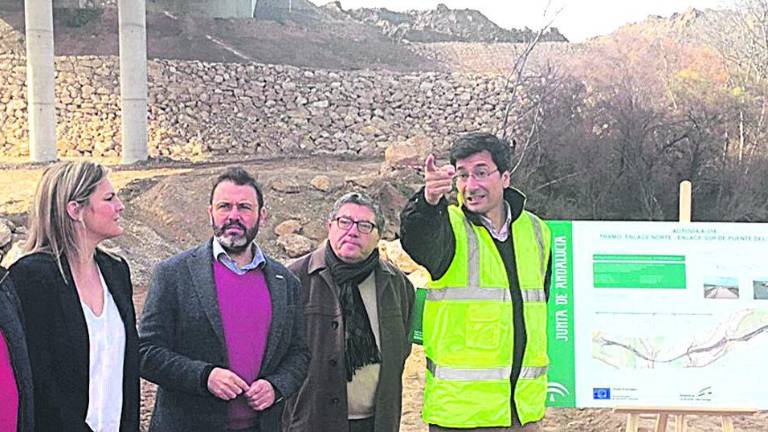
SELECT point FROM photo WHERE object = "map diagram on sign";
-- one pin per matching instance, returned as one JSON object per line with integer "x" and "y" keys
{"x": 697, "y": 351}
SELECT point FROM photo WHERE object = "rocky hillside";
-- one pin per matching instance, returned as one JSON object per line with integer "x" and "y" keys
{"x": 439, "y": 25}
{"x": 692, "y": 25}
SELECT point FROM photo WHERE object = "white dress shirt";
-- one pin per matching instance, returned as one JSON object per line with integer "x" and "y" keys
{"x": 106, "y": 336}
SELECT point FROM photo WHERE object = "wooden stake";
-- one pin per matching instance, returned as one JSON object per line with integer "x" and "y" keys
{"x": 685, "y": 201}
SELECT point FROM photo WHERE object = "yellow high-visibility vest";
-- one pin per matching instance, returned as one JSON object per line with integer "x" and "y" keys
{"x": 469, "y": 334}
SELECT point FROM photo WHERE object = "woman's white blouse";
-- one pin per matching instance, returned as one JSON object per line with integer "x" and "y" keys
{"x": 106, "y": 336}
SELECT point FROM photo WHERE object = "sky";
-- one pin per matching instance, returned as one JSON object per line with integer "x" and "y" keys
{"x": 577, "y": 19}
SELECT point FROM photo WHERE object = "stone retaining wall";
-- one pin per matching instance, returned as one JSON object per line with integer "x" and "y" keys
{"x": 202, "y": 109}
{"x": 11, "y": 41}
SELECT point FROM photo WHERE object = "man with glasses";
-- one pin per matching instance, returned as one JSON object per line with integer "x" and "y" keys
{"x": 357, "y": 309}
{"x": 484, "y": 320}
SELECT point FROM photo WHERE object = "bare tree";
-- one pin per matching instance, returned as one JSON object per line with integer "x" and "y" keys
{"x": 741, "y": 38}
{"x": 515, "y": 81}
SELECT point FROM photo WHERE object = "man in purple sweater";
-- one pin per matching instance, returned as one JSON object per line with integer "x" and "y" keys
{"x": 222, "y": 332}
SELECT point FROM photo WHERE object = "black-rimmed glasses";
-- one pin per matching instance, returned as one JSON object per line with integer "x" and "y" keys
{"x": 363, "y": 226}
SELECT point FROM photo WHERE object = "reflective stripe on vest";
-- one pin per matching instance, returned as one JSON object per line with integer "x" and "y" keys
{"x": 534, "y": 295}
{"x": 540, "y": 240}
{"x": 477, "y": 293}
{"x": 474, "y": 293}
{"x": 468, "y": 374}
{"x": 528, "y": 372}
{"x": 474, "y": 256}
{"x": 455, "y": 374}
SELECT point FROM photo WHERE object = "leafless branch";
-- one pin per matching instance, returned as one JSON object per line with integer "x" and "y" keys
{"x": 558, "y": 180}
{"x": 528, "y": 139}
{"x": 515, "y": 77}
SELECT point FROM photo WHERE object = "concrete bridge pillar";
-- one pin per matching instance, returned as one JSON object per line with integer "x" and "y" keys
{"x": 41, "y": 80}
{"x": 133, "y": 79}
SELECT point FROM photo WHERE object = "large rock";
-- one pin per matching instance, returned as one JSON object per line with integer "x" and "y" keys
{"x": 364, "y": 181}
{"x": 391, "y": 201}
{"x": 321, "y": 183}
{"x": 295, "y": 245}
{"x": 393, "y": 251}
{"x": 290, "y": 226}
{"x": 419, "y": 278}
{"x": 285, "y": 185}
{"x": 316, "y": 229}
{"x": 408, "y": 154}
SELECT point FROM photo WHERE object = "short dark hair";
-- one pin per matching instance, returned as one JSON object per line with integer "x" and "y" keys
{"x": 240, "y": 177}
{"x": 474, "y": 142}
{"x": 360, "y": 199}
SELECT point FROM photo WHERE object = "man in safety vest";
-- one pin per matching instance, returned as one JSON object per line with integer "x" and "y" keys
{"x": 485, "y": 314}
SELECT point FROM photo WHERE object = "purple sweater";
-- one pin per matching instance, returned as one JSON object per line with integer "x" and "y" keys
{"x": 246, "y": 312}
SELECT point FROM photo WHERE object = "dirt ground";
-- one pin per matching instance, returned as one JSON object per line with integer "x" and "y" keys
{"x": 165, "y": 213}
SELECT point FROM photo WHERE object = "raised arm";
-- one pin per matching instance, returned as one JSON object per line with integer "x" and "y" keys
{"x": 425, "y": 231}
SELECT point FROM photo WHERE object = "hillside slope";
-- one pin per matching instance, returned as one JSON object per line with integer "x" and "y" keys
{"x": 304, "y": 42}
{"x": 441, "y": 24}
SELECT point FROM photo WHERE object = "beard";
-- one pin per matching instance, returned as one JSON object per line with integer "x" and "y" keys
{"x": 235, "y": 243}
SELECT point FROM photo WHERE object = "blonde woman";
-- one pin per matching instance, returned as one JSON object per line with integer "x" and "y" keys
{"x": 76, "y": 298}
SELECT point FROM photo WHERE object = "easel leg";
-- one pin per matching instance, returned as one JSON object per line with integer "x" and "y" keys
{"x": 680, "y": 423}
{"x": 632, "y": 422}
{"x": 727, "y": 424}
{"x": 661, "y": 423}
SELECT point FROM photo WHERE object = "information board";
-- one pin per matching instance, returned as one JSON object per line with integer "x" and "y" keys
{"x": 658, "y": 314}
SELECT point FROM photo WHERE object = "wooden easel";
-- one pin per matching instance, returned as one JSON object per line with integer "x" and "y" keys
{"x": 662, "y": 413}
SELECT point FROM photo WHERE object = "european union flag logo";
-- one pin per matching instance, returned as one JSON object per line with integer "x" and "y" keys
{"x": 601, "y": 393}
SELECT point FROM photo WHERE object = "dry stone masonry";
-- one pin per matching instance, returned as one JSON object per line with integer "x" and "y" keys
{"x": 199, "y": 110}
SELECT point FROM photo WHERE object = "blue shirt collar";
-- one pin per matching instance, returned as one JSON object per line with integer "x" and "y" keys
{"x": 503, "y": 232}
{"x": 223, "y": 257}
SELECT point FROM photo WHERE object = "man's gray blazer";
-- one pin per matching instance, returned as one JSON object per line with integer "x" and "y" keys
{"x": 181, "y": 339}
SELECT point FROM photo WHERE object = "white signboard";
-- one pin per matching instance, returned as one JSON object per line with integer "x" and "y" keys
{"x": 659, "y": 314}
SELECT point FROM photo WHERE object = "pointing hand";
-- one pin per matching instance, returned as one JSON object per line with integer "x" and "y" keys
{"x": 438, "y": 181}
